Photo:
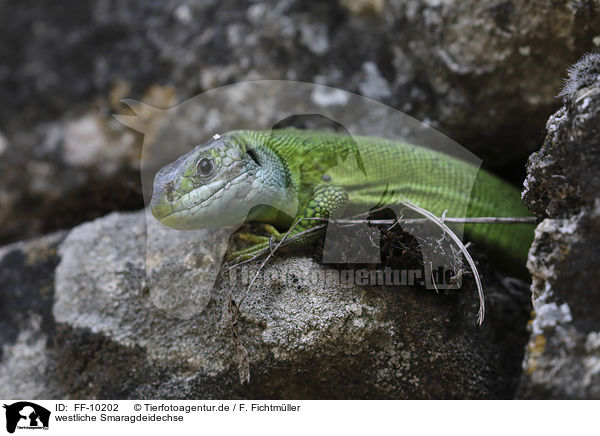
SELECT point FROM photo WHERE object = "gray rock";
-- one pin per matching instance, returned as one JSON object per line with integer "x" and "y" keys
{"x": 563, "y": 188}
{"x": 484, "y": 72}
{"x": 26, "y": 322}
{"x": 302, "y": 338}
{"x": 131, "y": 313}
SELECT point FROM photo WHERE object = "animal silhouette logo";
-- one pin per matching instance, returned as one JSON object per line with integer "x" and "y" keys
{"x": 171, "y": 134}
{"x": 26, "y": 415}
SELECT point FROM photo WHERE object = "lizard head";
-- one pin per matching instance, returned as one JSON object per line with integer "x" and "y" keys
{"x": 216, "y": 184}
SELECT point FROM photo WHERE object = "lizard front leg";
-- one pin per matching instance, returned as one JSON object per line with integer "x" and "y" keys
{"x": 327, "y": 201}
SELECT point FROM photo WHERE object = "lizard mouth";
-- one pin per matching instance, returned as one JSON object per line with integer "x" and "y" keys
{"x": 211, "y": 205}
{"x": 177, "y": 212}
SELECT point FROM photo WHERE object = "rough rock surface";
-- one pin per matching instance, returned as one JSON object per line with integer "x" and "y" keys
{"x": 484, "y": 72}
{"x": 26, "y": 321}
{"x": 103, "y": 337}
{"x": 563, "y": 188}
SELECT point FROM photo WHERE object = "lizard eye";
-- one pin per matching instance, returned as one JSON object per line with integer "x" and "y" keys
{"x": 205, "y": 166}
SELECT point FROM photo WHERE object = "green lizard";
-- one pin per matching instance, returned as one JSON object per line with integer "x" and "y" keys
{"x": 277, "y": 177}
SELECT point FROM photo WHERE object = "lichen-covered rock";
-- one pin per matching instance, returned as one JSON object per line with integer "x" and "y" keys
{"x": 563, "y": 188}
{"x": 454, "y": 63}
{"x": 103, "y": 335}
{"x": 484, "y": 72}
{"x": 304, "y": 339}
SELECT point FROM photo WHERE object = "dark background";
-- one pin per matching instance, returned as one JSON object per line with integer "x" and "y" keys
{"x": 486, "y": 73}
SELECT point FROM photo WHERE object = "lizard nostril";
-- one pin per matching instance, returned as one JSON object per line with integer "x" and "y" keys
{"x": 169, "y": 186}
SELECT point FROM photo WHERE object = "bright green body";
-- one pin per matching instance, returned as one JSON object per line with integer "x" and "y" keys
{"x": 330, "y": 175}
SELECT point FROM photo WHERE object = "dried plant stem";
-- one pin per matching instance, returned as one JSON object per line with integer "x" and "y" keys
{"x": 439, "y": 221}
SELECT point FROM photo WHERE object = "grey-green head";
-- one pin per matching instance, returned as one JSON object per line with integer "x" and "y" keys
{"x": 219, "y": 182}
